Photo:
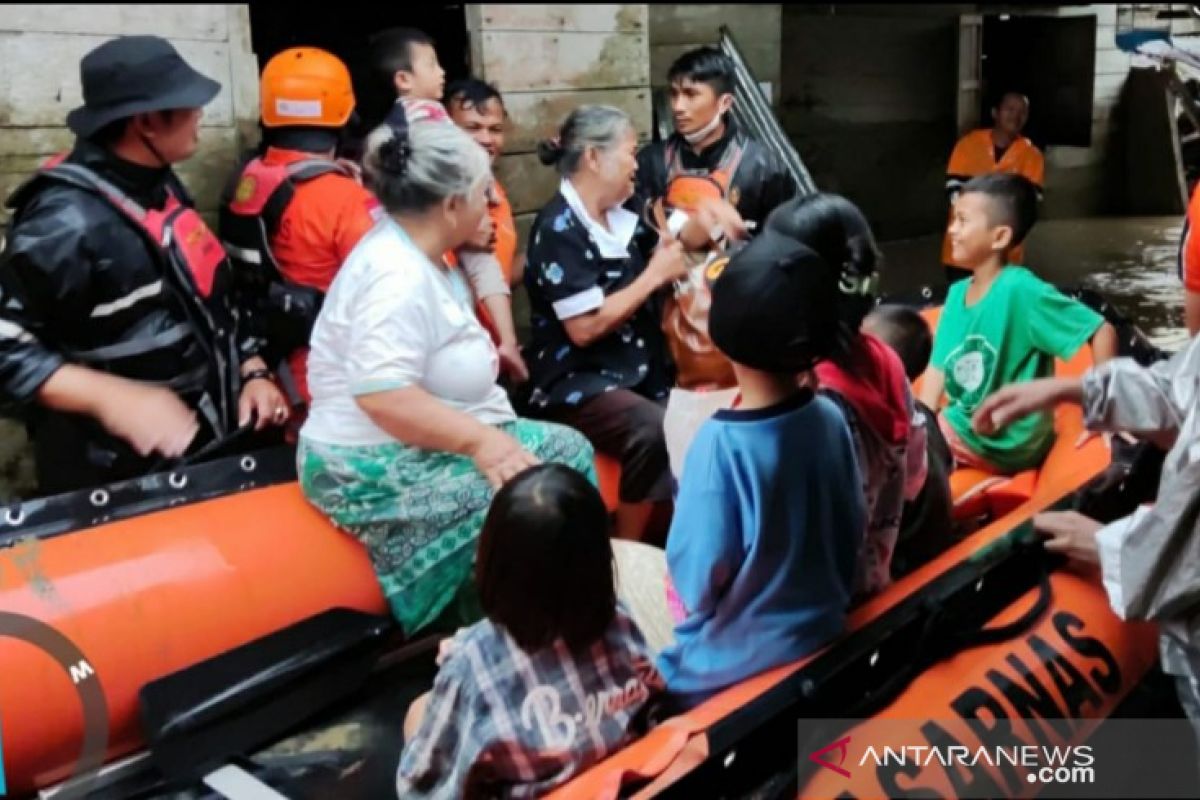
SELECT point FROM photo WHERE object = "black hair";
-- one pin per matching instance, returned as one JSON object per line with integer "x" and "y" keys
{"x": 544, "y": 569}
{"x": 393, "y": 154}
{"x": 1005, "y": 93}
{"x": 837, "y": 231}
{"x": 303, "y": 138}
{"x": 1012, "y": 202}
{"x": 108, "y": 135}
{"x": 472, "y": 92}
{"x": 111, "y": 133}
{"x": 704, "y": 65}
{"x": 391, "y": 51}
{"x": 905, "y": 331}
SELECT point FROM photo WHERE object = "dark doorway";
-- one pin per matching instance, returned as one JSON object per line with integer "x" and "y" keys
{"x": 344, "y": 31}
{"x": 1051, "y": 60}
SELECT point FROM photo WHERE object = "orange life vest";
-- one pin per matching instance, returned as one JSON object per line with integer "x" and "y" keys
{"x": 975, "y": 155}
{"x": 180, "y": 232}
{"x": 698, "y": 363}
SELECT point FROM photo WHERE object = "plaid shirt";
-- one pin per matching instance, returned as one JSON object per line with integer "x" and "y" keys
{"x": 503, "y": 722}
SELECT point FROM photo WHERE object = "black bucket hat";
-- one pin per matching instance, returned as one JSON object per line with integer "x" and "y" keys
{"x": 134, "y": 75}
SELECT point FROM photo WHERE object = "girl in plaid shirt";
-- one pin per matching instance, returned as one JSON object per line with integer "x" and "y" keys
{"x": 556, "y": 677}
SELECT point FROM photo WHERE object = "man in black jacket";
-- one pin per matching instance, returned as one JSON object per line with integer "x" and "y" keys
{"x": 118, "y": 339}
{"x": 707, "y": 143}
{"x": 717, "y": 183}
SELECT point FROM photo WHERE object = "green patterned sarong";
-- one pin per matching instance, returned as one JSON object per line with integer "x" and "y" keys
{"x": 419, "y": 513}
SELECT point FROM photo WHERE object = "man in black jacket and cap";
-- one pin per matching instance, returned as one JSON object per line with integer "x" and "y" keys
{"x": 119, "y": 341}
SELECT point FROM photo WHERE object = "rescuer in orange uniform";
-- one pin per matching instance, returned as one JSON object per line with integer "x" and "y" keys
{"x": 295, "y": 212}
{"x": 1000, "y": 148}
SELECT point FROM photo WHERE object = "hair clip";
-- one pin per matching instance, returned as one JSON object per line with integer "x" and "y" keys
{"x": 394, "y": 154}
{"x": 856, "y": 285}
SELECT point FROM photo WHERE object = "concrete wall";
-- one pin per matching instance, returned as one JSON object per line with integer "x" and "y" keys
{"x": 1080, "y": 180}
{"x": 1086, "y": 181}
{"x": 40, "y": 49}
{"x": 756, "y": 27}
{"x": 868, "y": 99}
{"x": 548, "y": 59}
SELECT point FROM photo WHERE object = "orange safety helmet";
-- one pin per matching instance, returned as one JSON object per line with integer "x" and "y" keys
{"x": 306, "y": 86}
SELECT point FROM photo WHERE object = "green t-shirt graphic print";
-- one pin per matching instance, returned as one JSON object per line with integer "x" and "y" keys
{"x": 1011, "y": 335}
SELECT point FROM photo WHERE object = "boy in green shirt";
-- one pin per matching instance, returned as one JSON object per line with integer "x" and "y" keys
{"x": 1003, "y": 326}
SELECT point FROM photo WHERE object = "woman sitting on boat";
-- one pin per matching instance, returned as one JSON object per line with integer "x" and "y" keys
{"x": 409, "y": 435}
{"x": 597, "y": 358}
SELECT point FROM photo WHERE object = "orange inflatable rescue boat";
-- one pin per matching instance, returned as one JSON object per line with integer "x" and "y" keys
{"x": 970, "y": 636}
{"x": 165, "y": 626}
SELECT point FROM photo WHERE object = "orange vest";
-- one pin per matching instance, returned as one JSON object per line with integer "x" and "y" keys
{"x": 698, "y": 362}
{"x": 975, "y": 155}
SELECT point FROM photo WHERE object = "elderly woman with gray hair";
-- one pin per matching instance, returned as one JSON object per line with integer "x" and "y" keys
{"x": 597, "y": 358}
{"x": 409, "y": 435}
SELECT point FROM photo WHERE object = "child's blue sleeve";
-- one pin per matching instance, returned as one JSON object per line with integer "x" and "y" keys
{"x": 704, "y": 547}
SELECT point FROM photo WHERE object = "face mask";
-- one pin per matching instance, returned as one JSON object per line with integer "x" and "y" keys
{"x": 711, "y": 125}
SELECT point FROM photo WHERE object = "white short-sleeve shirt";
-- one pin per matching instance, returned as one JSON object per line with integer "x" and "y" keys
{"x": 393, "y": 319}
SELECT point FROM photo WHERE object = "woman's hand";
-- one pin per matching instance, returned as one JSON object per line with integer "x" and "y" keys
{"x": 512, "y": 362}
{"x": 1070, "y": 533}
{"x": 720, "y": 216}
{"x": 500, "y": 457}
{"x": 667, "y": 264}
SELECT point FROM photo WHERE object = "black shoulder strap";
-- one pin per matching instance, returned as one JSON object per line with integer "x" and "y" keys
{"x": 298, "y": 172}
{"x": 306, "y": 170}
{"x": 83, "y": 178}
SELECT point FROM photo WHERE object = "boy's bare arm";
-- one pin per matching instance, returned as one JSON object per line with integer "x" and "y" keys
{"x": 1191, "y": 312}
{"x": 933, "y": 383}
{"x": 1104, "y": 344}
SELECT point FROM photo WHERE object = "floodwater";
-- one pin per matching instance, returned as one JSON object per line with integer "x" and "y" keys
{"x": 1131, "y": 260}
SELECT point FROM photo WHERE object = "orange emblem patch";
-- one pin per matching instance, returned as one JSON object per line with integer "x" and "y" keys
{"x": 715, "y": 269}
{"x": 245, "y": 189}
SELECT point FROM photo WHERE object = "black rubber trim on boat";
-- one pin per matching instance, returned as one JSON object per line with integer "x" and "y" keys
{"x": 48, "y": 517}
{"x": 869, "y": 668}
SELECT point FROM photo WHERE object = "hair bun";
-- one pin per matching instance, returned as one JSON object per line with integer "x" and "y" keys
{"x": 395, "y": 152}
{"x": 550, "y": 151}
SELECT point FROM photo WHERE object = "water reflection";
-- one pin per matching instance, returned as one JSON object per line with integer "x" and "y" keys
{"x": 1132, "y": 260}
